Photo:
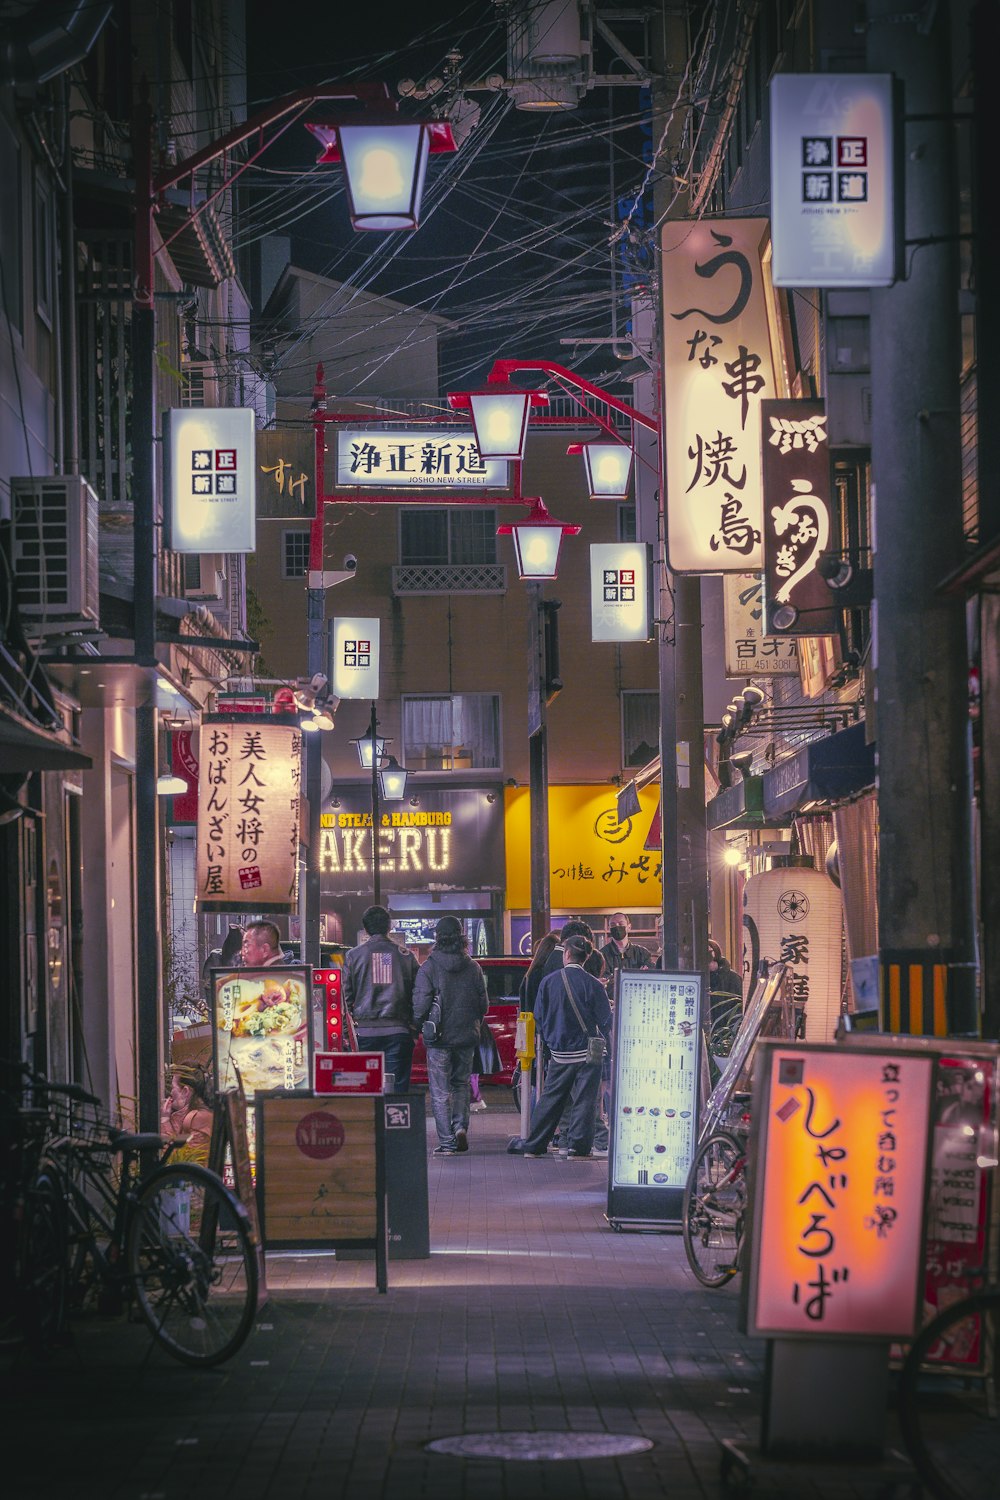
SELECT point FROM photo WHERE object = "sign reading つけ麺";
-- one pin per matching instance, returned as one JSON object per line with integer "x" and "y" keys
{"x": 838, "y": 1214}
{"x": 249, "y": 776}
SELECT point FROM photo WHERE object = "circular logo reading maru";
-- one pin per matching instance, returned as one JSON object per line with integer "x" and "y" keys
{"x": 319, "y": 1135}
{"x": 793, "y": 906}
{"x": 608, "y": 828}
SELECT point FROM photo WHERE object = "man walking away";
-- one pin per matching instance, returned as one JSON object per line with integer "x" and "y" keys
{"x": 377, "y": 980}
{"x": 457, "y": 983}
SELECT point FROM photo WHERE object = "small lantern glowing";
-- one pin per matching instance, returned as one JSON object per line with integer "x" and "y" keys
{"x": 537, "y": 540}
{"x": 385, "y": 161}
{"x": 392, "y": 779}
{"x": 364, "y": 744}
{"x": 499, "y": 417}
{"x": 609, "y": 469}
{"x": 170, "y": 785}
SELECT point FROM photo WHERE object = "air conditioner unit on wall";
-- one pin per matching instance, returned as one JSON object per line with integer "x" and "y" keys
{"x": 55, "y": 552}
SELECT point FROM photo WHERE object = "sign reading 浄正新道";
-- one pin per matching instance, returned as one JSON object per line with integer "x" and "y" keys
{"x": 427, "y": 458}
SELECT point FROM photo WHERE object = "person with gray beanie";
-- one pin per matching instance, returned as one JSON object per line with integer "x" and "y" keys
{"x": 449, "y": 1003}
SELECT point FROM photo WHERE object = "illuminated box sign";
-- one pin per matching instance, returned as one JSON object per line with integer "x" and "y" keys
{"x": 210, "y": 463}
{"x": 717, "y": 370}
{"x": 749, "y": 651}
{"x": 354, "y": 656}
{"x": 453, "y": 840}
{"x": 840, "y": 1163}
{"x": 619, "y": 592}
{"x": 798, "y": 513}
{"x": 596, "y": 859}
{"x": 261, "y": 1033}
{"x": 426, "y": 458}
{"x": 833, "y": 195}
{"x": 249, "y": 783}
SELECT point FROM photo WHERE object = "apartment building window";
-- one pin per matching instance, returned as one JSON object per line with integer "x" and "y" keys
{"x": 10, "y": 225}
{"x": 640, "y": 728}
{"x": 451, "y": 731}
{"x": 294, "y": 554}
{"x": 626, "y": 522}
{"x": 439, "y": 538}
{"x": 44, "y": 250}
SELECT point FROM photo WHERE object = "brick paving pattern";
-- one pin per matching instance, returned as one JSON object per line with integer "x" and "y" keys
{"x": 530, "y": 1314}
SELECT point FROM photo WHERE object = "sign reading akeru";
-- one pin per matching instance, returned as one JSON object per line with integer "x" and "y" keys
{"x": 354, "y": 656}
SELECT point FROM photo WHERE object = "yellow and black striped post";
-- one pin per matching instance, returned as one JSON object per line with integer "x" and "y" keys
{"x": 923, "y": 994}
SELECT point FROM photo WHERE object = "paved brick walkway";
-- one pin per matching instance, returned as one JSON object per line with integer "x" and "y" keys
{"x": 530, "y": 1314}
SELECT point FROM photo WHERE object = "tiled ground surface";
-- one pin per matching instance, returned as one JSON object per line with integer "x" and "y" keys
{"x": 530, "y": 1314}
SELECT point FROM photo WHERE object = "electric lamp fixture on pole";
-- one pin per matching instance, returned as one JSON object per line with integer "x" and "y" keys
{"x": 388, "y": 785}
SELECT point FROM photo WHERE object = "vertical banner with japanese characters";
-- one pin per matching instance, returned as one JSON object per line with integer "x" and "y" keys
{"x": 620, "y": 606}
{"x": 795, "y": 916}
{"x": 210, "y": 479}
{"x": 834, "y": 197}
{"x": 718, "y": 367}
{"x": 249, "y": 783}
{"x": 798, "y": 517}
{"x": 750, "y": 651}
{"x": 286, "y": 474}
{"x": 354, "y": 656}
{"x": 841, "y": 1154}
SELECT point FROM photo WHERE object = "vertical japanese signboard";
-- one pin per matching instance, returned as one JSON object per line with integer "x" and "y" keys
{"x": 834, "y": 201}
{"x": 794, "y": 916}
{"x": 797, "y": 517}
{"x": 619, "y": 592}
{"x": 210, "y": 472}
{"x": 718, "y": 367}
{"x": 286, "y": 469}
{"x": 655, "y": 1062}
{"x": 249, "y": 782}
{"x": 750, "y": 651}
{"x": 840, "y": 1164}
{"x": 354, "y": 656}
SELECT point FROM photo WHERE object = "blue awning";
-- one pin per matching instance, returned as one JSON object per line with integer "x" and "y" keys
{"x": 821, "y": 774}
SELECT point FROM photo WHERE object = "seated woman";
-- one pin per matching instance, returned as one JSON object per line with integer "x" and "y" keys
{"x": 186, "y": 1113}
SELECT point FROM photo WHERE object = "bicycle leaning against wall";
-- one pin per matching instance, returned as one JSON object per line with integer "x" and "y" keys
{"x": 126, "y": 1226}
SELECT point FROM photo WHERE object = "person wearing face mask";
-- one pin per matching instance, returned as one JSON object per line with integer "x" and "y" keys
{"x": 619, "y": 953}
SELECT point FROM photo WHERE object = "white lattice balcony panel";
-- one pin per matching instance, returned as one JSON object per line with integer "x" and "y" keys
{"x": 456, "y": 578}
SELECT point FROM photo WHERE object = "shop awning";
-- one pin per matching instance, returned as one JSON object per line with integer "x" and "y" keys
{"x": 25, "y": 747}
{"x": 740, "y": 806}
{"x": 820, "y": 775}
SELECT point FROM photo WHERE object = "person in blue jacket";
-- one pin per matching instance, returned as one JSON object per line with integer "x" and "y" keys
{"x": 569, "y": 1076}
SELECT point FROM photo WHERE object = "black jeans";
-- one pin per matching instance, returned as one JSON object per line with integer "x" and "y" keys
{"x": 579, "y": 1084}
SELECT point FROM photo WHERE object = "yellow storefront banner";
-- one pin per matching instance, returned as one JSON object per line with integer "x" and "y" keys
{"x": 595, "y": 862}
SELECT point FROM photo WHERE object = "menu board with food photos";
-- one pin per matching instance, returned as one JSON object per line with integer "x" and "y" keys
{"x": 261, "y": 1029}
{"x": 653, "y": 1125}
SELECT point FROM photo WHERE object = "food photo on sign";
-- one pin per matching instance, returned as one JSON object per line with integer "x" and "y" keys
{"x": 261, "y": 1028}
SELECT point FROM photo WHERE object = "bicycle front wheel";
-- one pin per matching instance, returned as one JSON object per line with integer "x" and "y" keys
{"x": 41, "y": 1277}
{"x": 192, "y": 1263}
{"x": 714, "y": 1208}
{"x": 948, "y": 1421}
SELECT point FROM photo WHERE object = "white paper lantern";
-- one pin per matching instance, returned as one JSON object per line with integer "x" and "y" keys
{"x": 794, "y": 915}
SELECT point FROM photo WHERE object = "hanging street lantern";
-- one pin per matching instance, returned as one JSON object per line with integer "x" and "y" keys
{"x": 364, "y": 744}
{"x": 392, "y": 778}
{"x": 609, "y": 469}
{"x": 537, "y": 540}
{"x": 499, "y": 417}
{"x": 385, "y": 161}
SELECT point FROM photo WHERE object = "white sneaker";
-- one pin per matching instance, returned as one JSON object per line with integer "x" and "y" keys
{"x": 477, "y": 1106}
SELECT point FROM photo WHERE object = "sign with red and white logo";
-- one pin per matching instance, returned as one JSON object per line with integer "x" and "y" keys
{"x": 354, "y": 656}
{"x": 348, "y": 1072}
{"x": 211, "y": 479}
{"x": 619, "y": 592}
{"x": 319, "y": 1135}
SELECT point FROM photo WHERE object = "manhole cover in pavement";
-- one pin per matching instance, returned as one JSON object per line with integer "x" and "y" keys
{"x": 526, "y": 1446}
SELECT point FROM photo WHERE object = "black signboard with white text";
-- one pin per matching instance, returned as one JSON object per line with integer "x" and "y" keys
{"x": 452, "y": 840}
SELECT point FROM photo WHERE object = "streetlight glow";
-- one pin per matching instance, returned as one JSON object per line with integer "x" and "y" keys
{"x": 537, "y": 540}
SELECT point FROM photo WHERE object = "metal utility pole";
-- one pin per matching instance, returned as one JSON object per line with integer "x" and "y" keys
{"x": 682, "y": 727}
{"x": 926, "y": 898}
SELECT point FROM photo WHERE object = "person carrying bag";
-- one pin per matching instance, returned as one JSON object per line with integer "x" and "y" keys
{"x": 573, "y": 1015}
{"x": 449, "y": 1004}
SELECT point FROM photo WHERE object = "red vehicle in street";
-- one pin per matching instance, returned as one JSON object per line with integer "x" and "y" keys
{"x": 503, "y": 977}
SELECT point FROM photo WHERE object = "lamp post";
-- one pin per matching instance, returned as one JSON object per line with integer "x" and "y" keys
{"x": 150, "y": 187}
{"x": 388, "y": 785}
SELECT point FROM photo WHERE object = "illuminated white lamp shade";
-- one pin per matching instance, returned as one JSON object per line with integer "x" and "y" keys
{"x": 500, "y": 422}
{"x": 385, "y": 166}
{"x": 364, "y": 745}
{"x": 609, "y": 470}
{"x": 392, "y": 779}
{"x": 170, "y": 785}
{"x": 537, "y": 540}
{"x": 797, "y": 917}
{"x": 310, "y": 725}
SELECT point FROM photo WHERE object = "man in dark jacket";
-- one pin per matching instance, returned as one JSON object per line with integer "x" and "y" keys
{"x": 554, "y": 962}
{"x": 450, "y": 977}
{"x": 569, "y": 1076}
{"x": 619, "y": 952}
{"x": 378, "y": 979}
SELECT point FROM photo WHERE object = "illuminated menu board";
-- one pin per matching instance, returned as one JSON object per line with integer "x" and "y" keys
{"x": 262, "y": 1028}
{"x": 655, "y": 1092}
